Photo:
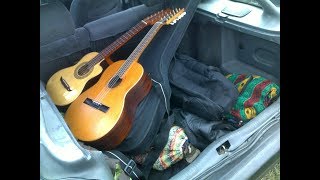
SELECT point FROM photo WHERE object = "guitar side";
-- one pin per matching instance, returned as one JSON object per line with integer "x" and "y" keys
{"x": 65, "y": 85}
{"x": 105, "y": 130}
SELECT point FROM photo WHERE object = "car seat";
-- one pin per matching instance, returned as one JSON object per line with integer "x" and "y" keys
{"x": 84, "y": 11}
{"x": 60, "y": 42}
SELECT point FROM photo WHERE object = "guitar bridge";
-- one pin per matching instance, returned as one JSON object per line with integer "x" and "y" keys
{"x": 96, "y": 105}
{"x": 65, "y": 84}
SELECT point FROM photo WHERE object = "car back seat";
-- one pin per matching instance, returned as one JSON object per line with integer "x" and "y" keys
{"x": 84, "y": 11}
{"x": 60, "y": 43}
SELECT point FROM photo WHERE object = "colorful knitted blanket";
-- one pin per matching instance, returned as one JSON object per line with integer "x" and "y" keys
{"x": 255, "y": 94}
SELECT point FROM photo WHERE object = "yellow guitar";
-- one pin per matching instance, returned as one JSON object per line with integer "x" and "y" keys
{"x": 102, "y": 116}
{"x": 67, "y": 84}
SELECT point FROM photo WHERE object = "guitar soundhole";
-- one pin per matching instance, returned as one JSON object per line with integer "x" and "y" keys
{"x": 83, "y": 70}
{"x": 115, "y": 81}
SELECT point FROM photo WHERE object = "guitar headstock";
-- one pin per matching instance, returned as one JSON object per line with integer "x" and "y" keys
{"x": 173, "y": 16}
{"x": 152, "y": 19}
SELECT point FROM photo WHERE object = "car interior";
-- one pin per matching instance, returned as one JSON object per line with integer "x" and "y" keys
{"x": 232, "y": 36}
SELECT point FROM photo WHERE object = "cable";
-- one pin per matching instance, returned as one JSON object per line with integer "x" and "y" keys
{"x": 165, "y": 99}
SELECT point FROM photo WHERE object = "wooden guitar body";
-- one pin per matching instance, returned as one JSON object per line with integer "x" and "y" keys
{"x": 67, "y": 84}
{"x": 107, "y": 113}
{"x": 102, "y": 116}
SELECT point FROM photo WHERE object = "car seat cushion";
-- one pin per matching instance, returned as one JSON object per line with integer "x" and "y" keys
{"x": 55, "y": 22}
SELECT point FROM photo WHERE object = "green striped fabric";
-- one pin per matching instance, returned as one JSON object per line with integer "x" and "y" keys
{"x": 173, "y": 150}
{"x": 255, "y": 94}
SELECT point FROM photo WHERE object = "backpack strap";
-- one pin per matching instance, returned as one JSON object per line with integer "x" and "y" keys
{"x": 159, "y": 142}
{"x": 128, "y": 165}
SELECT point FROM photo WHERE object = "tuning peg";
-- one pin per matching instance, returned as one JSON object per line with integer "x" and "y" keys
{"x": 181, "y": 15}
{"x": 166, "y": 17}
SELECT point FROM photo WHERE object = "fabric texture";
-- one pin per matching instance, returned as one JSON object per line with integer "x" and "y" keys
{"x": 256, "y": 93}
{"x": 61, "y": 45}
{"x": 201, "y": 132}
{"x": 84, "y": 11}
{"x": 114, "y": 24}
{"x": 118, "y": 173}
{"x": 156, "y": 61}
{"x": 200, "y": 89}
{"x": 175, "y": 149}
{"x": 55, "y": 22}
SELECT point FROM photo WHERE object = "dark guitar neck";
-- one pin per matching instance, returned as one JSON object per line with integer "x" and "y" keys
{"x": 118, "y": 43}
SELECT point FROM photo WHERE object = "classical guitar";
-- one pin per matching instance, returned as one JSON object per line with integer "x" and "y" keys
{"x": 102, "y": 116}
{"x": 67, "y": 84}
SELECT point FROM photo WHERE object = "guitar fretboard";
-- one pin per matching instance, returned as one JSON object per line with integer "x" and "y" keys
{"x": 140, "y": 48}
{"x": 118, "y": 43}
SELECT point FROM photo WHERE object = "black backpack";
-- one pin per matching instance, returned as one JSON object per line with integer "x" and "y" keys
{"x": 200, "y": 89}
{"x": 152, "y": 120}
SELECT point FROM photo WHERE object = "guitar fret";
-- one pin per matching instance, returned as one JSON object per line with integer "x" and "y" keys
{"x": 129, "y": 32}
{"x": 135, "y": 30}
{"x": 140, "y": 26}
{"x": 125, "y": 37}
{"x": 105, "y": 53}
{"x": 95, "y": 60}
{"x": 139, "y": 49}
{"x": 84, "y": 71}
{"x": 121, "y": 41}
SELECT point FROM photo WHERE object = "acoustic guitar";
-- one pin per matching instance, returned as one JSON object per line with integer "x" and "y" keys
{"x": 67, "y": 84}
{"x": 102, "y": 116}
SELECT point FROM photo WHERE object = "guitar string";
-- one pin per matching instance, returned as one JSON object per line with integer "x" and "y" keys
{"x": 136, "y": 29}
{"x": 112, "y": 47}
{"x": 112, "y": 81}
{"x": 124, "y": 68}
{"x": 157, "y": 15}
{"x": 105, "y": 89}
{"x": 133, "y": 58}
{"x": 152, "y": 32}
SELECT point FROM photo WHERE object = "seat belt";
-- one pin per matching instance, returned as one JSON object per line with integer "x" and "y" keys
{"x": 127, "y": 165}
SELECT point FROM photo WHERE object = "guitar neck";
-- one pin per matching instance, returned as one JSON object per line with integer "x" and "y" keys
{"x": 118, "y": 43}
{"x": 135, "y": 55}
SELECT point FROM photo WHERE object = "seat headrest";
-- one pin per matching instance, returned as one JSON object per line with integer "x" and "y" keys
{"x": 149, "y": 3}
{"x": 55, "y": 22}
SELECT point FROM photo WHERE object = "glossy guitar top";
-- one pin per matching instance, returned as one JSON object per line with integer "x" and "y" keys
{"x": 102, "y": 116}
{"x": 67, "y": 84}
{"x": 103, "y": 111}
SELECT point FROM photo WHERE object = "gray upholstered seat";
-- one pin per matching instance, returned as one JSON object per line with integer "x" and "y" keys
{"x": 60, "y": 43}
{"x": 84, "y": 11}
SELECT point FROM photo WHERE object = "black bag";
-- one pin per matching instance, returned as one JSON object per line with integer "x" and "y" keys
{"x": 200, "y": 89}
{"x": 201, "y": 132}
{"x": 156, "y": 61}
{"x": 152, "y": 122}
